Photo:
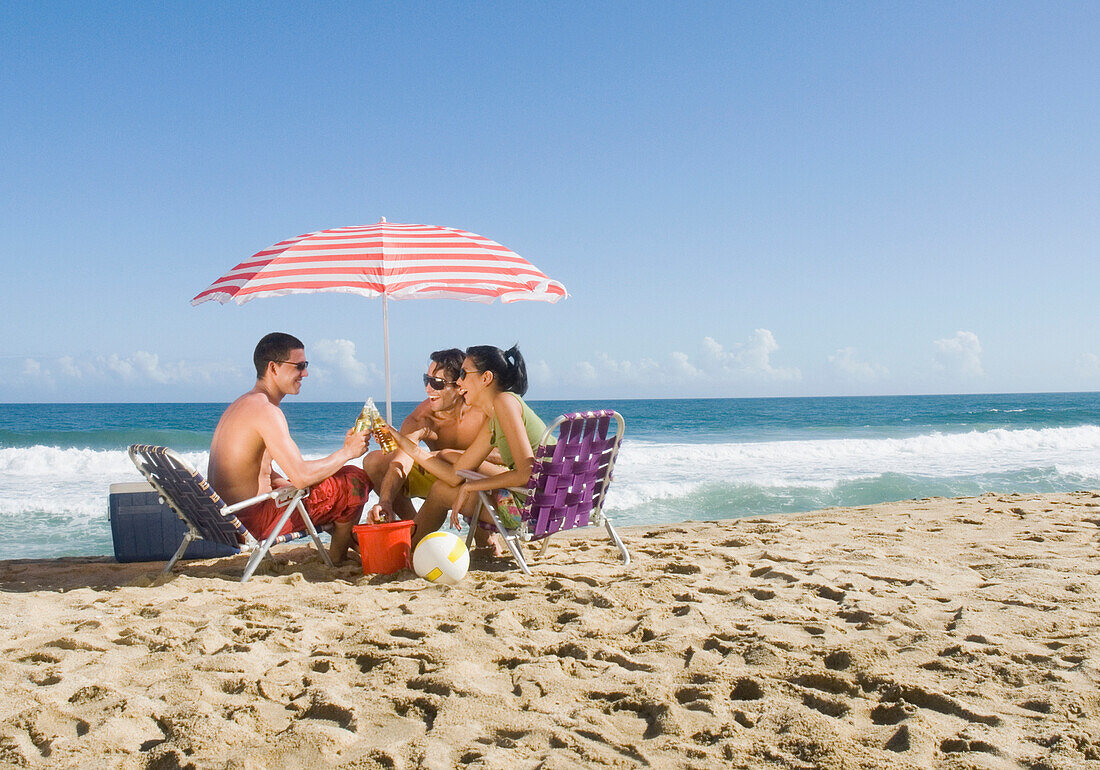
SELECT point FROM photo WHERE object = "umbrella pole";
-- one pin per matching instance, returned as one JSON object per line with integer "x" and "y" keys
{"x": 386, "y": 348}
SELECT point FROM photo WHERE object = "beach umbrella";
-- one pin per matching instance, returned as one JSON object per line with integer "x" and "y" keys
{"x": 388, "y": 260}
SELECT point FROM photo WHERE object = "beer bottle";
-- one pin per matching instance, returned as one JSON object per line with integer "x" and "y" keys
{"x": 370, "y": 419}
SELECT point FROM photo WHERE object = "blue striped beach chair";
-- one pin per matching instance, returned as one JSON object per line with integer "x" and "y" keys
{"x": 568, "y": 484}
{"x": 207, "y": 517}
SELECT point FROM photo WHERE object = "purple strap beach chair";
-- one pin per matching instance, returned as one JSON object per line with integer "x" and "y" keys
{"x": 568, "y": 484}
{"x": 207, "y": 517}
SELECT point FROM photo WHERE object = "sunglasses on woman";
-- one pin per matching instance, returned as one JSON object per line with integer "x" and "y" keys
{"x": 436, "y": 383}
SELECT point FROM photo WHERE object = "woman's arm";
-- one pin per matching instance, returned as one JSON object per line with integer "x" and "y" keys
{"x": 509, "y": 415}
{"x": 470, "y": 459}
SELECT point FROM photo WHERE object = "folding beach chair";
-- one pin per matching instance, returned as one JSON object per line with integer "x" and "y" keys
{"x": 187, "y": 493}
{"x": 568, "y": 483}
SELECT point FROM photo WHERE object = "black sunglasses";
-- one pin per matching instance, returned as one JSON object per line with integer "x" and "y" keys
{"x": 299, "y": 365}
{"x": 436, "y": 383}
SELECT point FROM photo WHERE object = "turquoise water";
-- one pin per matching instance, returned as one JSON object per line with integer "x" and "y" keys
{"x": 681, "y": 459}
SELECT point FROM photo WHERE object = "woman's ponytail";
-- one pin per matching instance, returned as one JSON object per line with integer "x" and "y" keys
{"x": 518, "y": 370}
{"x": 507, "y": 366}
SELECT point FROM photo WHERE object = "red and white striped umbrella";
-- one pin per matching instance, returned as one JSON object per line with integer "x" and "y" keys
{"x": 391, "y": 260}
{"x": 387, "y": 259}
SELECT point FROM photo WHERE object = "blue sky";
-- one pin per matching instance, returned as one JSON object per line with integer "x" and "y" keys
{"x": 764, "y": 199}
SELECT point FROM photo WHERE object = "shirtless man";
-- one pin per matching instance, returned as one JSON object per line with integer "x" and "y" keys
{"x": 253, "y": 432}
{"x": 442, "y": 421}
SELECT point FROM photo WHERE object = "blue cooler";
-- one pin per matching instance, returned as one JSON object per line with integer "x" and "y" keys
{"x": 145, "y": 529}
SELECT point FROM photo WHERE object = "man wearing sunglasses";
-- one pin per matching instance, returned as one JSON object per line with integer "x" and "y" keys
{"x": 443, "y": 421}
{"x": 253, "y": 432}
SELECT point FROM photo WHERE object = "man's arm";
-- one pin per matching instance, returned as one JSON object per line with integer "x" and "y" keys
{"x": 417, "y": 418}
{"x": 470, "y": 459}
{"x": 414, "y": 427}
{"x": 300, "y": 472}
{"x": 278, "y": 482}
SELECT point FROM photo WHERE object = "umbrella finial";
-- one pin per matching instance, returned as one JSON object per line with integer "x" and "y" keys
{"x": 380, "y": 221}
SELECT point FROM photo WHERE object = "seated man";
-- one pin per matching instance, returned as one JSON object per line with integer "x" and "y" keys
{"x": 443, "y": 421}
{"x": 253, "y": 432}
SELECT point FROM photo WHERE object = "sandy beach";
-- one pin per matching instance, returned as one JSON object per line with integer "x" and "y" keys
{"x": 927, "y": 633}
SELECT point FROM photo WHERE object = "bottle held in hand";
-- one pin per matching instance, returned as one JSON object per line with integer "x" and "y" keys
{"x": 370, "y": 419}
{"x": 363, "y": 421}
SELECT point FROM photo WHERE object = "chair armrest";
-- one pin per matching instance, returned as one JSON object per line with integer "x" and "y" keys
{"x": 281, "y": 495}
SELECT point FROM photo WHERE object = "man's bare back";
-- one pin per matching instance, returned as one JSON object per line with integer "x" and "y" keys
{"x": 240, "y": 465}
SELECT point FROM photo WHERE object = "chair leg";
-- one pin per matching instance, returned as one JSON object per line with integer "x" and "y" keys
{"x": 545, "y": 545}
{"x": 617, "y": 541}
{"x": 265, "y": 546}
{"x": 511, "y": 540}
{"x": 254, "y": 562}
{"x": 187, "y": 538}
{"x": 313, "y": 533}
{"x": 517, "y": 552}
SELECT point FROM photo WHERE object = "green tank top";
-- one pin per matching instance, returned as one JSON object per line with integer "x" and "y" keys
{"x": 532, "y": 423}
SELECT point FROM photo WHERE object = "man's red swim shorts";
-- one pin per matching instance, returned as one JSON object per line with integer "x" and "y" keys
{"x": 338, "y": 498}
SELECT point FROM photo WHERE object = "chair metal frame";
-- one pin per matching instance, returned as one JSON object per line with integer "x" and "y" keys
{"x": 154, "y": 462}
{"x": 580, "y": 503}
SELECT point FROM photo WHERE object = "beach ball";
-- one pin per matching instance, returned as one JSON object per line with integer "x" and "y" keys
{"x": 441, "y": 557}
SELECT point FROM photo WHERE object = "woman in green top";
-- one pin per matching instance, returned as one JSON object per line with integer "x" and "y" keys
{"x": 494, "y": 381}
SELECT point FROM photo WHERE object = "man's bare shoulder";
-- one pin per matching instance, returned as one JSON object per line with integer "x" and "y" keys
{"x": 252, "y": 409}
{"x": 419, "y": 417}
{"x": 423, "y": 409}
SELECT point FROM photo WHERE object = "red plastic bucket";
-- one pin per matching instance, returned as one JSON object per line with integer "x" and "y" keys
{"x": 384, "y": 548}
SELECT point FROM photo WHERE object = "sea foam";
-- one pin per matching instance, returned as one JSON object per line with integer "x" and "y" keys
{"x": 74, "y": 482}
{"x": 652, "y": 470}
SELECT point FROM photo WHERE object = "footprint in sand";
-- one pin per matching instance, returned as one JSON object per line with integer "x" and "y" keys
{"x": 828, "y": 706}
{"x": 422, "y": 709}
{"x": 746, "y": 689}
{"x": 695, "y": 699}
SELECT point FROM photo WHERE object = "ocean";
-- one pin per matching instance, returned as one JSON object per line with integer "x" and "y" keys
{"x": 681, "y": 459}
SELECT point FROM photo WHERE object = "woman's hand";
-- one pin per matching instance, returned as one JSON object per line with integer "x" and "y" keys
{"x": 461, "y": 498}
{"x": 409, "y": 446}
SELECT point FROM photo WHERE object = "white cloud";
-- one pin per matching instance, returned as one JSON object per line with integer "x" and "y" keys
{"x": 139, "y": 368}
{"x": 961, "y": 354}
{"x": 606, "y": 369}
{"x": 34, "y": 373}
{"x": 746, "y": 360}
{"x": 683, "y": 368}
{"x": 539, "y": 373}
{"x": 340, "y": 356}
{"x": 713, "y": 366}
{"x": 586, "y": 373}
{"x": 68, "y": 367}
{"x": 142, "y": 366}
{"x": 122, "y": 367}
{"x": 847, "y": 363}
{"x": 149, "y": 365}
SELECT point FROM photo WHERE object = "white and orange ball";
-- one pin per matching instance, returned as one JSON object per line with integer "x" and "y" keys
{"x": 441, "y": 557}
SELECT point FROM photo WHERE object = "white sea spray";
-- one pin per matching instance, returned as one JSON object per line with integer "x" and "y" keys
{"x": 60, "y": 494}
